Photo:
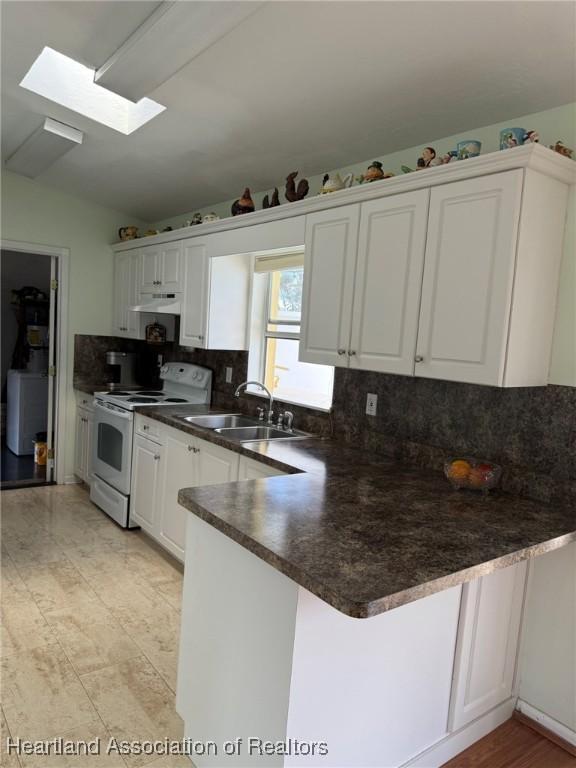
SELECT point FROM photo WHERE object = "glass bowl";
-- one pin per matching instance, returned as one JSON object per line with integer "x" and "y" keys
{"x": 474, "y": 474}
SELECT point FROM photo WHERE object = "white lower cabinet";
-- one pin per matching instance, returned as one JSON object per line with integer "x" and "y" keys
{"x": 147, "y": 465}
{"x": 487, "y": 646}
{"x": 161, "y": 467}
{"x": 83, "y": 441}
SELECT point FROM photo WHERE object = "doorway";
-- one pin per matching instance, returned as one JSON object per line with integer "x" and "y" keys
{"x": 29, "y": 307}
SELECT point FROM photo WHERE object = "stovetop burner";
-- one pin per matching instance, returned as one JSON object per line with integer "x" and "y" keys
{"x": 147, "y": 393}
{"x": 142, "y": 400}
{"x": 175, "y": 400}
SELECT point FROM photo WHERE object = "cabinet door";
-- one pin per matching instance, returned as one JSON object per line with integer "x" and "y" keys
{"x": 80, "y": 445}
{"x": 388, "y": 282}
{"x": 179, "y": 472}
{"x": 329, "y": 266}
{"x": 193, "y": 330}
{"x": 250, "y": 469}
{"x": 170, "y": 268}
{"x": 146, "y": 468}
{"x": 132, "y": 289}
{"x": 88, "y": 432}
{"x": 487, "y": 643}
{"x": 121, "y": 283}
{"x": 149, "y": 269}
{"x": 468, "y": 276}
{"x": 215, "y": 464}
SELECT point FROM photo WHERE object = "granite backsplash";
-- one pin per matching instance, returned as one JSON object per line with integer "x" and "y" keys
{"x": 531, "y": 432}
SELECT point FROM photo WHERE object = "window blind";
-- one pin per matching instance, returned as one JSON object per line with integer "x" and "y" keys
{"x": 275, "y": 262}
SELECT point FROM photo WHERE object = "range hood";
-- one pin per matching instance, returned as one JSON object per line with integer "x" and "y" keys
{"x": 159, "y": 303}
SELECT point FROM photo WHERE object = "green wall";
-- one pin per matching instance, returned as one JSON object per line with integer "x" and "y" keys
{"x": 553, "y": 125}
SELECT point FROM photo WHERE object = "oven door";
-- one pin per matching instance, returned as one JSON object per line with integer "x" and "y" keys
{"x": 112, "y": 446}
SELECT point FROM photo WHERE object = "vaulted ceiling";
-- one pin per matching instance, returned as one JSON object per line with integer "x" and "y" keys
{"x": 308, "y": 85}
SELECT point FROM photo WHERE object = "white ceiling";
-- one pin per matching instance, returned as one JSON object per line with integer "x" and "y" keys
{"x": 307, "y": 85}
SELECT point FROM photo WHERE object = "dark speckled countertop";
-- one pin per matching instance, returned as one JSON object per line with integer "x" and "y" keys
{"x": 363, "y": 533}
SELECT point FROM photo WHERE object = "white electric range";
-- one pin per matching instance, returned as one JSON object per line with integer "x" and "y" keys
{"x": 183, "y": 384}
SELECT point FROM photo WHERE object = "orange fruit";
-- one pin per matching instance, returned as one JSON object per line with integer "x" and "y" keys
{"x": 459, "y": 470}
{"x": 477, "y": 477}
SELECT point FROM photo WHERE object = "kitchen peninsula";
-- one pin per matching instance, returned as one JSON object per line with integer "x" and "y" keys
{"x": 278, "y": 570}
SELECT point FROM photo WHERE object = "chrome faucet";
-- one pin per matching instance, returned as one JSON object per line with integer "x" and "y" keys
{"x": 265, "y": 389}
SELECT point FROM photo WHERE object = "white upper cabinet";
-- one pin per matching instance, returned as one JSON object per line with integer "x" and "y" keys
{"x": 456, "y": 283}
{"x": 388, "y": 282}
{"x": 161, "y": 268}
{"x": 492, "y": 264}
{"x": 126, "y": 323}
{"x": 329, "y": 263}
{"x": 215, "y": 305}
{"x": 193, "y": 317}
{"x": 468, "y": 279}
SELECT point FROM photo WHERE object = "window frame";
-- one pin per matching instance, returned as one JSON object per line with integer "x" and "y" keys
{"x": 265, "y": 321}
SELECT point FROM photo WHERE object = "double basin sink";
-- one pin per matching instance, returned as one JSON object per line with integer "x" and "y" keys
{"x": 243, "y": 429}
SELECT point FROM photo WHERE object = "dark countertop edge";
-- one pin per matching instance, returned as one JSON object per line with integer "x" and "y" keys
{"x": 360, "y": 609}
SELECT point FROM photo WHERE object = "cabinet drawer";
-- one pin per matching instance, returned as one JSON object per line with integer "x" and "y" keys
{"x": 148, "y": 428}
{"x": 84, "y": 401}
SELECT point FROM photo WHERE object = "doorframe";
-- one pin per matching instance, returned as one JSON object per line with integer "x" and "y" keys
{"x": 61, "y": 379}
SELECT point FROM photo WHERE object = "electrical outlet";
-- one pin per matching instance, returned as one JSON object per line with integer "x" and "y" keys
{"x": 371, "y": 404}
{"x": 229, "y": 372}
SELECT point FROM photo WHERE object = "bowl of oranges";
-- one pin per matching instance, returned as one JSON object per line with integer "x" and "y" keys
{"x": 476, "y": 474}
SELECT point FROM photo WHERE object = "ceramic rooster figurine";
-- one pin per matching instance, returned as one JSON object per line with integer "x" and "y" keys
{"x": 294, "y": 193}
{"x": 271, "y": 202}
{"x": 244, "y": 204}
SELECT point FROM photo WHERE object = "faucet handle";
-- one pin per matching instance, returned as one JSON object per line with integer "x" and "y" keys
{"x": 260, "y": 412}
{"x": 285, "y": 420}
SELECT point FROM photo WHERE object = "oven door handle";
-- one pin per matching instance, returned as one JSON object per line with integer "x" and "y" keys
{"x": 121, "y": 414}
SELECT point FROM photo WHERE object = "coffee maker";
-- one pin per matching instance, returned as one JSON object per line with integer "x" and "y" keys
{"x": 122, "y": 370}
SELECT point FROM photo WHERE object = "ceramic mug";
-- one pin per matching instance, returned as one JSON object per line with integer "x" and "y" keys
{"x": 469, "y": 148}
{"x": 512, "y": 137}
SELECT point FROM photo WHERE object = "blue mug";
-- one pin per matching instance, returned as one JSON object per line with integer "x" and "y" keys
{"x": 469, "y": 148}
{"x": 512, "y": 137}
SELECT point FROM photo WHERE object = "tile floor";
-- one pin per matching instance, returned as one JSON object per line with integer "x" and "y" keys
{"x": 90, "y": 619}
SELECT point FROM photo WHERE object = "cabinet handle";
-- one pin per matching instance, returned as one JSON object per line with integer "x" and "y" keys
{"x": 351, "y": 352}
{"x": 341, "y": 351}
{"x": 418, "y": 359}
{"x": 145, "y": 427}
{"x": 190, "y": 447}
{"x": 156, "y": 456}
{"x": 196, "y": 450}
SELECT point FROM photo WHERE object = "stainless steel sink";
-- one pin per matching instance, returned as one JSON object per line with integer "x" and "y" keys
{"x": 221, "y": 421}
{"x": 254, "y": 433}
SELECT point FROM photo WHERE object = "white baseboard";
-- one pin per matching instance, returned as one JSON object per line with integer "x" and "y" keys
{"x": 548, "y": 722}
{"x": 72, "y": 480}
{"x": 454, "y": 743}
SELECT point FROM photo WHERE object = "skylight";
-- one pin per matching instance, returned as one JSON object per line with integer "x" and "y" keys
{"x": 67, "y": 82}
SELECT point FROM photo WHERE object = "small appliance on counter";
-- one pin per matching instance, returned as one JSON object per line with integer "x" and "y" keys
{"x": 183, "y": 383}
{"x": 123, "y": 373}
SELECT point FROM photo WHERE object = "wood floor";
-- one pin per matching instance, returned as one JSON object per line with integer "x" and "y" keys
{"x": 90, "y": 624}
{"x": 513, "y": 745}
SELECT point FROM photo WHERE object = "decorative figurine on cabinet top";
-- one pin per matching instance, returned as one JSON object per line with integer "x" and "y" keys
{"x": 208, "y": 217}
{"x": 196, "y": 219}
{"x": 512, "y": 137}
{"x": 128, "y": 233}
{"x": 426, "y": 158}
{"x": 335, "y": 183}
{"x": 374, "y": 172}
{"x": 562, "y": 149}
{"x": 273, "y": 201}
{"x": 532, "y": 137}
{"x": 468, "y": 148}
{"x": 294, "y": 193}
{"x": 244, "y": 204}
